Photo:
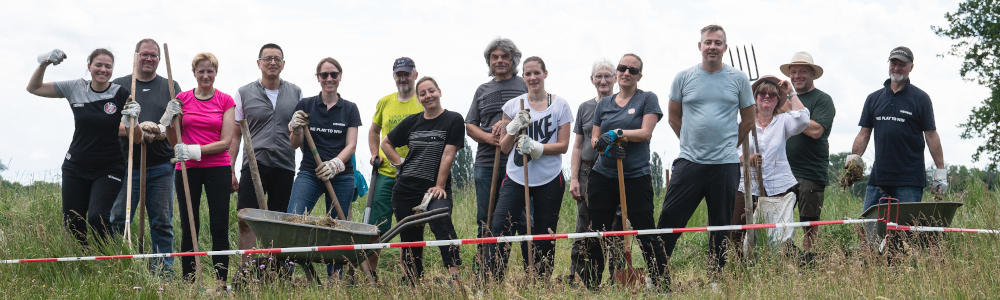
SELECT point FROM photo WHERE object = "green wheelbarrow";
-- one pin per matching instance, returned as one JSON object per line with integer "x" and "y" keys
{"x": 276, "y": 230}
{"x": 936, "y": 214}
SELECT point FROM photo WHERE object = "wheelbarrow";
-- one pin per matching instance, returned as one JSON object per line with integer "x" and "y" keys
{"x": 937, "y": 214}
{"x": 275, "y": 230}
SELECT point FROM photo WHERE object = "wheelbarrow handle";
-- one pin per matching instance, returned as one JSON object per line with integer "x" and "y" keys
{"x": 417, "y": 216}
{"x": 403, "y": 225}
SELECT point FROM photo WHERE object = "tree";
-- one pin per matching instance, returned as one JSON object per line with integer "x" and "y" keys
{"x": 461, "y": 169}
{"x": 656, "y": 168}
{"x": 976, "y": 29}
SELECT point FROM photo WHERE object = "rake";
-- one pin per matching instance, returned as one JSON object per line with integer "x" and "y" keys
{"x": 753, "y": 73}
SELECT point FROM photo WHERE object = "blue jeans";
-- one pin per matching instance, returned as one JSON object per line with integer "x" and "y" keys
{"x": 307, "y": 188}
{"x": 905, "y": 194}
{"x": 159, "y": 210}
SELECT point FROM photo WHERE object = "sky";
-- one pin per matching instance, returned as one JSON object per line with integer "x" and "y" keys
{"x": 849, "y": 39}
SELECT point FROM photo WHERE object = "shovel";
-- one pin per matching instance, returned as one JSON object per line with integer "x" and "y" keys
{"x": 629, "y": 276}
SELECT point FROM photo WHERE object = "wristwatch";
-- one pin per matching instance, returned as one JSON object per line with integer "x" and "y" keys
{"x": 790, "y": 96}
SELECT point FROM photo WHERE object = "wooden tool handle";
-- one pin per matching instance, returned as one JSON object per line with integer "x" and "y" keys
{"x": 329, "y": 187}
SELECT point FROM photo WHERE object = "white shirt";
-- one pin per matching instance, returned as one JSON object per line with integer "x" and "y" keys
{"x": 777, "y": 173}
{"x": 545, "y": 126}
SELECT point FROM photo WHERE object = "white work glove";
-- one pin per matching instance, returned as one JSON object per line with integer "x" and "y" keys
{"x": 53, "y": 57}
{"x": 520, "y": 121}
{"x": 131, "y": 110}
{"x": 327, "y": 169}
{"x": 300, "y": 119}
{"x": 854, "y": 159}
{"x": 185, "y": 152}
{"x": 531, "y": 147}
{"x": 940, "y": 185}
{"x": 173, "y": 109}
{"x": 152, "y": 131}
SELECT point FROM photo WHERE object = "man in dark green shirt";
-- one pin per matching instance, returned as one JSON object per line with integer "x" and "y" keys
{"x": 809, "y": 152}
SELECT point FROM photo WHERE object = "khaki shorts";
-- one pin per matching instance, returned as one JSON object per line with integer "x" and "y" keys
{"x": 809, "y": 197}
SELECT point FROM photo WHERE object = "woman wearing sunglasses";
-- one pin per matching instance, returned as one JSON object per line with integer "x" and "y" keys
{"x": 623, "y": 124}
{"x": 547, "y": 119}
{"x": 206, "y": 132}
{"x": 773, "y": 130}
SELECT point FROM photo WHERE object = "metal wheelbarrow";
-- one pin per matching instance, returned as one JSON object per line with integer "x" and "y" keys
{"x": 937, "y": 214}
{"x": 275, "y": 230}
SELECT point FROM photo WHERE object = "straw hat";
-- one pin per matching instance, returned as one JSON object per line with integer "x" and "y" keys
{"x": 802, "y": 59}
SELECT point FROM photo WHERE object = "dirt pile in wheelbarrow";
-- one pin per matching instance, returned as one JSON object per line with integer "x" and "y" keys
{"x": 322, "y": 222}
{"x": 852, "y": 173}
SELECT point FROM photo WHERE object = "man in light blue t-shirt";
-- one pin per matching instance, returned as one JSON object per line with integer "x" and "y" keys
{"x": 704, "y": 101}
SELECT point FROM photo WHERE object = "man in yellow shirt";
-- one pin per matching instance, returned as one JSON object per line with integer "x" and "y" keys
{"x": 388, "y": 112}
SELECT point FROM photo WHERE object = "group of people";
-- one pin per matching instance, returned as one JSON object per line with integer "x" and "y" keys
{"x": 522, "y": 131}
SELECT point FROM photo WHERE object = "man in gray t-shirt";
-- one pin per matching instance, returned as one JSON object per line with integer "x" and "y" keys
{"x": 483, "y": 125}
{"x": 704, "y": 102}
{"x": 152, "y": 92}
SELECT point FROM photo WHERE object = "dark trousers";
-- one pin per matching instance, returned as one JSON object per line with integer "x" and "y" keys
{"x": 277, "y": 184}
{"x": 578, "y": 253}
{"x": 412, "y": 258}
{"x": 604, "y": 197}
{"x": 88, "y": 194}
{"x": 217, "y": 185}
{"x": 546, "y": 203}
{"x": 692, "y": 182}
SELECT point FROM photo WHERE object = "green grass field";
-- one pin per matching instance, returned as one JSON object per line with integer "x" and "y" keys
{"x": 964, "y": 266}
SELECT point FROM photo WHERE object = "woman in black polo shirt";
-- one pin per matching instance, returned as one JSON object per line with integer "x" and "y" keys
{"x": 434, "y": 137}
{"x": 94, "y": 165}
{"x": 333, "y": 123}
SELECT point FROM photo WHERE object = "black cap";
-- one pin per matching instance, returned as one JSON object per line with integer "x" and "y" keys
{"x": 901, "y": 53}
{"x": 403, "y": 64}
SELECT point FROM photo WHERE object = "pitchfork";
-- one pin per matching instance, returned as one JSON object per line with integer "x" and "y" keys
{"x": 753, "y": 73}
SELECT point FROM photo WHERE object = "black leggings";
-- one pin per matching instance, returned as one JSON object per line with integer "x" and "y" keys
{"x": 217, "y": 182}
{"x": 443, "y": 229}
{"x": 546, "y": 201}
{"x": 90, "y": 191}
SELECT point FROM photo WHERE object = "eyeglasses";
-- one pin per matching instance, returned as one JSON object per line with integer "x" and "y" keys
{"x": 631, "y": 70}
{"x": 768, "y": 94}
{"x": 326, "y": 75}
{"x": 148, "y": 55}
{"x": 274, "y": 59}
{"x": 603, "y": 77}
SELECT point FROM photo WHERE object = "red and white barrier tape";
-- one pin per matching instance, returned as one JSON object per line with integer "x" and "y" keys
{"x": 455, "y": 242}
{"x": 897, "y": 227}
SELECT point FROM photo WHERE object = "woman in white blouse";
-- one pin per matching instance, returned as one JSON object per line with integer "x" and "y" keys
{"x": 773, "y": 129}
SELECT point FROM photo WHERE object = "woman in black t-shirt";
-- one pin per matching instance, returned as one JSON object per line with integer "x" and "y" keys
{"x": 94, "y": 165}
{"x": 434, "y": 137}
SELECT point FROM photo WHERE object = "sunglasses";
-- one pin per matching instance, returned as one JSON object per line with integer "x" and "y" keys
{"x": 326, "y": 75}
{"x": 631, "y": 70}
{"x": 767, "y": 94}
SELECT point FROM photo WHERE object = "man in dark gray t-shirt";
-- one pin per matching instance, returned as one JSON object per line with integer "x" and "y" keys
{"x": 483, "y": 125}
{"x": 152, "y": 92}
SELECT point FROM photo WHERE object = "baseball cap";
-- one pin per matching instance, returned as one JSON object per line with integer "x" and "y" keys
{"x": 403, "y": 64}
{"x": 901, "y": 53}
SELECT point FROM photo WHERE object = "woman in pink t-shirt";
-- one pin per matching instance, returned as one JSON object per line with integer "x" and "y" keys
{"x": 206, "y": 129}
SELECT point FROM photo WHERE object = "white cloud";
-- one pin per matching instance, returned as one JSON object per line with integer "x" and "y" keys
{"x": 849, "y": 39}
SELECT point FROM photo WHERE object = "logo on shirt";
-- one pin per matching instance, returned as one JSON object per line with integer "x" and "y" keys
{"x": 631, "y": 111}
{"x": 115, "y": 178}
{"x": 110, "y": 108}
{"x": 145, "y": 90}
{"x": 888, "y": 118}
{"x": 905, "y": 112}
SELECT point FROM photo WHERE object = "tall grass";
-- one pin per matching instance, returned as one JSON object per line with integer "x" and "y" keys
{"x": 963, "y": 266}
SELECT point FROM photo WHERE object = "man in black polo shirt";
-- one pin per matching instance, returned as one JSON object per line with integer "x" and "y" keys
{"x": 903, "y": 116}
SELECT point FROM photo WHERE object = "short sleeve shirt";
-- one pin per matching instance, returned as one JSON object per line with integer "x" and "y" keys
{"x": 809, "y": 157}
{"x": 585, "y": 126}
{"x": 608, "y": 116}
{"x": 96, "y": 116}
{"x": 201, "y": 124}
{"x": 153, "y": 97}
{"x": 711, "y": 102}
{"x": 486, "y": 111}
{"x": 328, "y": 128}
{"x": 898, "y": 121}
{"x": 427, "y": 140}
{"x": 544, "y": 129}
{"x": 388, "y": 113}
